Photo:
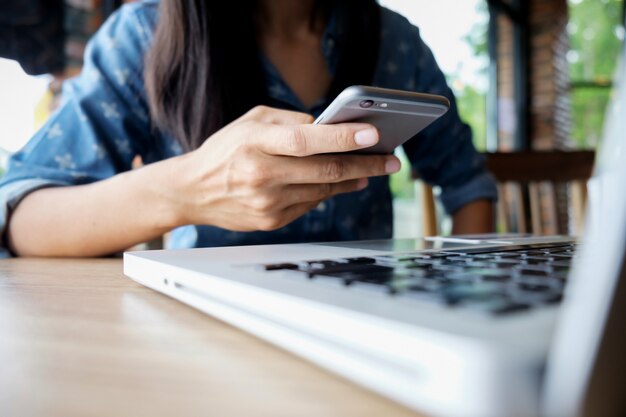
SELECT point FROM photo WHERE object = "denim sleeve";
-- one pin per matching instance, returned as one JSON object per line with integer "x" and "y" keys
{"x": 443, "y": 154}
{"x": 102, "y": 123}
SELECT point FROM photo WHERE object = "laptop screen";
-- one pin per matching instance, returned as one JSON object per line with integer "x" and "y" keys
{"x": 586, "y": 369}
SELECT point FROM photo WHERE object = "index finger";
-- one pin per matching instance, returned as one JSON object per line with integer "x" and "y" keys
{"x": 305, "y": 140}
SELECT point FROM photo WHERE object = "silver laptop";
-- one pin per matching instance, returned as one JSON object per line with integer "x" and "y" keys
{"x": 488, "y": 326}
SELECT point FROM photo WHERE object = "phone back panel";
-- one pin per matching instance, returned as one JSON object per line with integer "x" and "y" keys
{"x": 397, "y": 115}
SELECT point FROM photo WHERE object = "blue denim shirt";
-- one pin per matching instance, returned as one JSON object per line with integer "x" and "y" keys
{"x": 104, "y": 122}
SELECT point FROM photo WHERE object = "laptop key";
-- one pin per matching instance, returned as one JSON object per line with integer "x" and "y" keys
{"x": 503, "y": 255}
{"x": 496, "y": 306}
{"x": 346, "y": 279}
{"x": 523, "y": 272}
{"x": 550, "y": 281}
{"x": 458, "y": 258}
{"x": 509, "y": 307}
{"x": 279, "y": 267}
{"x": 313, "y": 265}
{"x": 564, "y": 256}
{"x": 360, "y": 260}
{"x": 403, "y": 285}
{"x": 480, "y": 264}
{"x": 484, "y": 256}
{"x": 435, "y": 255}
{"x": 540, "y": 252}
{"x": 507, "y": 263}
{"x": 394, "y": 284}
{"x": 457, "y": 293}
{"x": 534, "y": 287}
{"x": 545, "y": 258}
{"x": 343, "y": 270}
{"x": 436, "y": 261}
{"x": 460, "y": 277}
{"x": 537, "y": 262}
{"x": 485, "y": 274}
{"x": 394, "y": 260}
{"x": 419, "y": 264}
{"x": 537, "y": 298}
{"x": 424, "y": 273}
{"x": 380, "y": 278}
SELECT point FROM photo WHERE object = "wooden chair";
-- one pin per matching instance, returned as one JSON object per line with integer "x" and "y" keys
{"x": 539, "y": 192}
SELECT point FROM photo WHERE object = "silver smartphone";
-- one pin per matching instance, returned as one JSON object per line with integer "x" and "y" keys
{"x": 398, "y": 115}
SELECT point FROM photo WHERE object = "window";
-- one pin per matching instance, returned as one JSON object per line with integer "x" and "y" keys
{"x": 596, "y": 33}
{"x": 457, "y": 34}
{"x": 20, "y": 97}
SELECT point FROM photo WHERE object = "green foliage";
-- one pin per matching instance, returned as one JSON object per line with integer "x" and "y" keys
{"x": 473, "y": 109}
{"x": 588, "y": 109}
{"x": 595, "y": 30}
{"x": 472, "y": 105}
{"x": 595, "y": 36}
{"x": 477, "y": 38}
{"x": 471, "y": 101}
{"x": 400, "y": 183}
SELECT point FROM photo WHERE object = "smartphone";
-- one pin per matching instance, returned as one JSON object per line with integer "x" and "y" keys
{"x": 398, "y": 115}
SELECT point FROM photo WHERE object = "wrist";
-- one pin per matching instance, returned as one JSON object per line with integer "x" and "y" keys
{"x": 161, "y": 187}
{"x": 474, "y": 218}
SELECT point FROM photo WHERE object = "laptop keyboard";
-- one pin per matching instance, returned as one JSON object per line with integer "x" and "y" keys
{"x": 495, "y": 281}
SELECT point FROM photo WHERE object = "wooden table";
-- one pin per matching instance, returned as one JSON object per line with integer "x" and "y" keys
{"x": 77, "y": 338}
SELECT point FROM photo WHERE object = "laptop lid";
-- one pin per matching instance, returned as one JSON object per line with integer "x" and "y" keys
{"x": 586, "y": 371}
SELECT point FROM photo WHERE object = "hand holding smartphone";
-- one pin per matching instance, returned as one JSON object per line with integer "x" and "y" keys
{"x": 398, "y": 115}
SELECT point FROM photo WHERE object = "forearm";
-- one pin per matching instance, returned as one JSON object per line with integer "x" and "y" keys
{"x": 475, "y": 217}
{"x": 96, "y": 219}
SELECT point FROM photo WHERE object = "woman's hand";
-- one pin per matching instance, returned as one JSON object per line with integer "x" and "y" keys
{"x": 260, "y": 172}
{"x": 269, "y": 167}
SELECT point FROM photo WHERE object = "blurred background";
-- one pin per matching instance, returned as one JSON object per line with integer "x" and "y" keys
{"x": 530, "y": 77}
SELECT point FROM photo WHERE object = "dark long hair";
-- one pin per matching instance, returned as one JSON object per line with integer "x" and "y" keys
{"x": 203, "y": 69}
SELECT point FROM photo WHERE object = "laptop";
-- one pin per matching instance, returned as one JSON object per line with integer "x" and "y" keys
{"x": 468, "y": 326}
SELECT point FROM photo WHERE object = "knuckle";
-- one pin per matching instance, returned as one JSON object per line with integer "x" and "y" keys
{"x": 245, "y": 148}
{"x": 258, "y": 112}
{"x": 257, "y": 175}
{"x": 263, "y": 204}
{"x": 296, "y": 141}
{"x": 342, "y": 137}
{"x": 270, "y": 223}
{"x": 334, "y": 169}
{"x": 258, "y": 179}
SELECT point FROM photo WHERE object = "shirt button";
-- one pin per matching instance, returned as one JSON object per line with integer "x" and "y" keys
{"x": 321, "y": 207}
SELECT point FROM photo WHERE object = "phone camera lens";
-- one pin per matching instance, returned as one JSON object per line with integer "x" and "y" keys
{"x": 366, "y": 103}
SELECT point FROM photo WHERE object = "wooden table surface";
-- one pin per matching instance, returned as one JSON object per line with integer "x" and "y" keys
{"x": 77, "y": 338}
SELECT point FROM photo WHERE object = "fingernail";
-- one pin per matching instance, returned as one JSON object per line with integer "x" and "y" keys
{"x": 366, "y": 137}
{"x": 362, "y": 184}
{"x": 392, "y": 165}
